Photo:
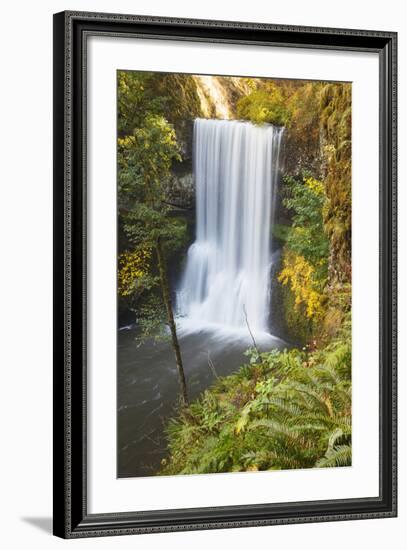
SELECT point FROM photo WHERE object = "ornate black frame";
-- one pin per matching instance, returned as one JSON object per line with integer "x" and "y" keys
{"x": 71, "y": 30}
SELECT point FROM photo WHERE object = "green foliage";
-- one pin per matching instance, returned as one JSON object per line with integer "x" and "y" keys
{"x": 140, "y": 93}
{"x": 284, "y": 409}
{"x": 266, "y": 104}
{"x": 144, "y": 225}
{"x": 150, "y": 314}
{"x": 339, "y": 455}
{"x": 135, "y": 98}
{"x": 281, "y": 231}
{"x": 306, "y": 199}
{"x": 144, "y": 160}
{"x": 305, "y": 257}
{"x": 294, "y": 104}
{"x": 134, "y": 272}
{"x": 316, "y": 269}
{"x": 147, "y": 148}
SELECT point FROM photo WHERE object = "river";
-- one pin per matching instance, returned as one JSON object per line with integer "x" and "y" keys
{"x": 148, "y": 387}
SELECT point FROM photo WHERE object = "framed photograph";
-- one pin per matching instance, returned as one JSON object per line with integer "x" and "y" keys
{"x": 224, "y": 274}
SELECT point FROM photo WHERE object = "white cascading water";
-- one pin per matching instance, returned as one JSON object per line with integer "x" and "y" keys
{"x": 226, "y": 282}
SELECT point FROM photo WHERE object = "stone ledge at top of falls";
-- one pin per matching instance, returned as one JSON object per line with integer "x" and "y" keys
{"x": 218, "y": 95}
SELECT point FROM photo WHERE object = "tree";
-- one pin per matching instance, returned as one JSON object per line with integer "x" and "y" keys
{"x": 145, "y": 156}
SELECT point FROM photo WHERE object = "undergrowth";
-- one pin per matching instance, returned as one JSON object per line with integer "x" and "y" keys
{"x": 282, "y": 410}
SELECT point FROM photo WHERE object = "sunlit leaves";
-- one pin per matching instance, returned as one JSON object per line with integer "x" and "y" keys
{"x": 305, "y": 257}
{"x": 266, "y": 104}
{"x": 299, "y": 274}
{"x": 144, "y": 161}
{"x": 133, "y": 271}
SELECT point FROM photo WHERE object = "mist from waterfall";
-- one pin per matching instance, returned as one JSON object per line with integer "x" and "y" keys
{"x": 226, "y": 281}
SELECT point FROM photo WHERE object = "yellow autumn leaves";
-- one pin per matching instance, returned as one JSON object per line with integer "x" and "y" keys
{"x": 133, "y": 266}
{"x": 298, "y": 273}
{"x": 315, "y": 185}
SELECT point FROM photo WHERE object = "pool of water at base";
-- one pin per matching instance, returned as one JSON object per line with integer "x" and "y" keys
{"x": 147, "y": 388}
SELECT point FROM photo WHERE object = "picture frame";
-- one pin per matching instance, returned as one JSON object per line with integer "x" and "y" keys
{"x": 72, "y": 518}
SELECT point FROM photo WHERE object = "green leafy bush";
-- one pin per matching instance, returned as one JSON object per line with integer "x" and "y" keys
{"x": 304, "y": 268}
{"x": 267, "y": 104}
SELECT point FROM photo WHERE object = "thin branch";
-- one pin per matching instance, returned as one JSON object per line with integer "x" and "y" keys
{"x": 249, "y": 329}
{"x": 177, "y": 205}
{"x": 212, "y": 366}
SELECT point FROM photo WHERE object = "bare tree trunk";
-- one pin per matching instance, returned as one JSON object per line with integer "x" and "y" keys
{"x": 170, "y": 317}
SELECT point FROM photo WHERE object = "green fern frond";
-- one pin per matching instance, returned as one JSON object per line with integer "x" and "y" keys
{"x": 339, "y": 456}
{"x": 275, "y": 427}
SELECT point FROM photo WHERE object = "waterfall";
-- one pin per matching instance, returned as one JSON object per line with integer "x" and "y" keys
{"x": 226, "y": 281}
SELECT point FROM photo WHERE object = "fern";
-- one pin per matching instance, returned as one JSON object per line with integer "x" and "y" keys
{"x": 284, "y": 410}
{"x": 341, "y": 455}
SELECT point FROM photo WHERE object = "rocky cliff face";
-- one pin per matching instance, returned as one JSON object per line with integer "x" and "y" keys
{"x": 218, "y": 96}
{"x": 181, "y": 191}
